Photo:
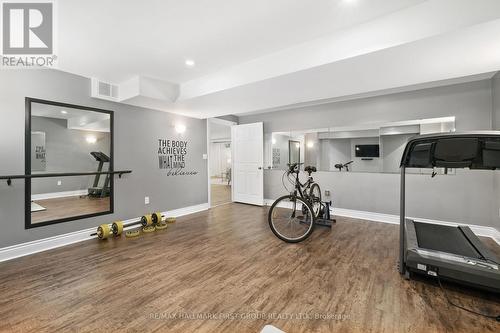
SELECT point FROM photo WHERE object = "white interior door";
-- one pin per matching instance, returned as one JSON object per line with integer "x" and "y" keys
{"x": 248, "y": 161}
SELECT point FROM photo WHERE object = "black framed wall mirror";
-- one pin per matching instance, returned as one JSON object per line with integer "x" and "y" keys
{"x": 64, "y": 139}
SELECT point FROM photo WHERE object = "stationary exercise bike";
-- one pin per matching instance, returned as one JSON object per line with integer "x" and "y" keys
{"x": 292, "y": 217}
{"x": 345, "y": 166}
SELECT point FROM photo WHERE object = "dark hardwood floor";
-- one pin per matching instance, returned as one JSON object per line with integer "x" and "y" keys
{"x": 227, "y": 263}
{"x": 220, "y": 194}
{"x": 60, "y": 208}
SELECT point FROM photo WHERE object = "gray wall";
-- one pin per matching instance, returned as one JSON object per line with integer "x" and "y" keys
{"x": 230, "y": 117}
{"x": 67, "y": 151}
{"x": 471, "y": 103}
{"x": 136, "y": 137}
{"x": 467, "y": 197}
{"x": 495, "y": 87}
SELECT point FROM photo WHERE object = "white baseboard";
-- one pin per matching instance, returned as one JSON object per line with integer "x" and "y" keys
{"x": 187, "y": 210}
{"x": 394, "y": 219}
{"x": 24, "y": 249}
{"x": 54, "y": 195}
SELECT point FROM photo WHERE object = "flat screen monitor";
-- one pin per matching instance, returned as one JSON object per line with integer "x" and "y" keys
{"x": 367, "y": 150}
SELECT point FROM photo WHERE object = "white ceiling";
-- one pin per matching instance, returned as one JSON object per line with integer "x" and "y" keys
{"x": 261, "y": 55}
{"x": 117, "y": 40}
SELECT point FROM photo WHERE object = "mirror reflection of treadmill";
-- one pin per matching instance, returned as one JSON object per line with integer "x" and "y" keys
{"x": 95, "y": 191}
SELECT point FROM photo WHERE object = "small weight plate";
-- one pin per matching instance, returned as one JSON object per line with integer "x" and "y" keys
{"x": 132, "y": 233}
{"x": 170, "y": 220}
{"x": 150, "y": 228}
{"x": 162, "y": 226}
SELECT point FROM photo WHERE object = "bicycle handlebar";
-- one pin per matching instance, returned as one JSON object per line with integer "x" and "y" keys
{"x": 294, "y": 167}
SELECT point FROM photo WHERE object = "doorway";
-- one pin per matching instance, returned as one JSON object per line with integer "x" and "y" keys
{"x": 220, "y": 161}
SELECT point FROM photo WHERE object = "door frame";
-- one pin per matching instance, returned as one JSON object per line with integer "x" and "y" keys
{"x": 220, "y": 122}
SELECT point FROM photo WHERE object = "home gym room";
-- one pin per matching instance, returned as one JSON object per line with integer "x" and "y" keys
{"x": 250, "y": 166}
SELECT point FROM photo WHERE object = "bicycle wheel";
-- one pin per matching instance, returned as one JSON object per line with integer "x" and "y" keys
{"x": 315, "y": 199}
{"x": 288, "y": 221}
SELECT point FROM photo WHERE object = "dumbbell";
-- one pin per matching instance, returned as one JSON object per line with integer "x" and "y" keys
{"x": 152, "y": 222}
{"x": 104, "y": 231}
{"x": 149, "y": 223}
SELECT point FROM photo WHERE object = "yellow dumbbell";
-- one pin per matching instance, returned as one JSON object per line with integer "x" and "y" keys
{"x": 104, "y": 231}
{"x": 156, "y": 218}
{"x": 147, "y": 220}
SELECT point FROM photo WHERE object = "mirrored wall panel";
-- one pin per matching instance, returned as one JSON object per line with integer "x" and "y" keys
{"x": 367, "y": 148}
{"x": 67, "y": 139}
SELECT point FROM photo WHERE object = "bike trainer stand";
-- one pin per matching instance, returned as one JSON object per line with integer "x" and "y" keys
{"x": 324, "y": 219}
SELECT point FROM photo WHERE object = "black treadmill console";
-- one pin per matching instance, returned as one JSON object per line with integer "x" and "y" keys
{"x": 453, "y": 150}
{"x": 100, "y": 156}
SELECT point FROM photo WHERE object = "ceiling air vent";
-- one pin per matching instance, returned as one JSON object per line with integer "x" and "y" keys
{"x": 104, "y": 90}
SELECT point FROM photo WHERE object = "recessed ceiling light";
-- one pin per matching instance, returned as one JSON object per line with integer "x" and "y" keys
{"x": 64, "y": 112}
{"x": 189, "y": 63}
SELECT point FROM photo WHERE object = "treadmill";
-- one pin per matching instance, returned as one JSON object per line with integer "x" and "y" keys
{"x": 95, "y": 191}
{"x": 448, "y": 252}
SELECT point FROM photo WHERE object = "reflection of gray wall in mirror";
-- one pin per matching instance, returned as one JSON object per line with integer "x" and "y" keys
{"x": 281, "y": 144}
{"x": 334, "y": 151}
{"x": 392, "y": 147}
{"x": 38, "y": 154}
{"x": 294, "y": 152}
{"x": 276, "y": 156}
{"x": 311, "y": 156}
{"x": 67, "y": 150}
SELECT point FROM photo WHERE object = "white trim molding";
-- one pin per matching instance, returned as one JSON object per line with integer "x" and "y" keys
{"x": 394, "y": 219}
{"x": 54, "y": 195}
{"x": 24, "y": 249}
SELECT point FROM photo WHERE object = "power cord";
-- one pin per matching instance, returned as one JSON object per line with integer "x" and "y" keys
{"x": 497, "y": 317}
{"x": 492, "y": 261}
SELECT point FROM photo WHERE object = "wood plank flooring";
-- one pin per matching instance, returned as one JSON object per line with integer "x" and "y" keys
{"x": 220, "y": 194}
{"x": 226, "y": 263}
{"x": 59, "y": 208}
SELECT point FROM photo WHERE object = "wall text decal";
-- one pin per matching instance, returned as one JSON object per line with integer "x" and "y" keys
{"x": 172, "y": 157}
